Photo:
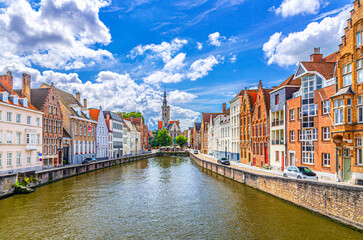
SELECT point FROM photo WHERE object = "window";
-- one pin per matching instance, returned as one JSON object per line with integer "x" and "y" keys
{"x": 1, "y": 159}
{"x": 292, "y": 114}
{"x": 277, "y": 156}
{"x": 9, "y": 159}
{"x": 326, "y": 159}
{"x": 8, "y": 116}
{"x": 359, "y": 151}
{"x": 38, "y": 121}
{"x": 18, "y": 138}
{"x": 85, "y": 130}
{"x": 1, "y": 137}
{"x": 75, "y": 128}
{"x": 17, "y": 118}
{"x": 292, "y": 136}
{"x": 308, "y": 157}
{"x": 359, "y": 71}
{"x": 28, "y": 120}
{"x": 347, "y": 75}
{"x": 37, "y": 157}
{"x": 9, "y": 137}
{"x": 349, "y": 101}
{"x": 326, "y": 107}
{"x": 38, "y": 138}
{"x": 338, "y": 115}
{"x": 50, "y": 109}
{"x": 277, "y": 99}
{"x": 30, "y": 138}
{"x": 349, "y": 115}
{"x": 326, "y": 133}
{"x": 28, "y": 158}
{"x": 300, "y": 113}
{"x": 18, "y": 159}
{"x": 80, "y": 130}
{"x": 359, "y": 38}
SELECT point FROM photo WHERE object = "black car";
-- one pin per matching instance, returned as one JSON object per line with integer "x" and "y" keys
{"x": 224, "y": 161}
{"x": 89, "y": 160}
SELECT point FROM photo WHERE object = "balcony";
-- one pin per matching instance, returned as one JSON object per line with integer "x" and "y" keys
{"x": 277, "y": 142}
{"x": 30, "y": 147}
{"x": 276, "y": 123}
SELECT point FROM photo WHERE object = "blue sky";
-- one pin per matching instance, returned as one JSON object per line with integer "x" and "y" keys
{"x": 121, "y": 54}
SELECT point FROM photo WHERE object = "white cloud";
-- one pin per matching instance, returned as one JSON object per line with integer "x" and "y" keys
{"x": 253, "y": 88}
{"x": 294, "y": 7}
{"x": 201, "y": 67}
{"x": 164, "y": 50}
{"x": 215, "y": 39}
{"x": 233, "y": 59}
{"x": 57, "y": 35}
{"x": 178, "y": 97}
{"x": 199, "y": 46}
{"x": 297, "y": 46}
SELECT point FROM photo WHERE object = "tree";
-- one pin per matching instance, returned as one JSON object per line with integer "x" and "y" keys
{"x": 153, "y": 142}
{"x": 133, "y": 114}
{"x": 181, "y": 140}
{"x": 163, "y": 139}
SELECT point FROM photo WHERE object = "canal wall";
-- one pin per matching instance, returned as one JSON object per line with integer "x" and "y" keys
{"x": 342, "y": 203}
{"x": 41, "y": 178}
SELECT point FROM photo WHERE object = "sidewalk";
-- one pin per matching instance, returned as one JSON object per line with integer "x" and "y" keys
{"x": 249, "y": 168}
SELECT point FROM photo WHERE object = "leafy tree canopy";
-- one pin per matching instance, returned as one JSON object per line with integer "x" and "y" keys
{"x": 134, "y": 115}
{"x": 181, "y": 140}
{"x": 163, "y": 139}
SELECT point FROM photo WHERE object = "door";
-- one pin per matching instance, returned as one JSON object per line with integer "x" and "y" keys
{"x": 346, "y": 169}
{"x": 254, "y": 161}
{"x": 291, "y": 159}
{"x": 266, "y": 154}
{"x": 283, "y": 160}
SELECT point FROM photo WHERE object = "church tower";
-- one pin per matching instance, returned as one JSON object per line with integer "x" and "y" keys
{"x": 165, "y": 110}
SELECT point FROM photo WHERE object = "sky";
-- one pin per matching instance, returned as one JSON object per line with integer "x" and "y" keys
{"x": 121, "y": 55}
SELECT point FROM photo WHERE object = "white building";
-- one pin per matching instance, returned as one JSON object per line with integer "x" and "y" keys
{"x": 20, "y": 130}
{"x": 235, "y": 108}
{"x": 115, "y": 125}
{"x": 225, "y": 137}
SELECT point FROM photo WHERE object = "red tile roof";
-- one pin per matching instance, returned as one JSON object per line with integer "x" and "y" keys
{"x": 331, "y": 58}
{"x": 94, "y": 113}
{"x": 253, "y": 96}
{"x": 30, "y": 106}
{"x": 206, "y": 116}
{"x": 324, "y": 68}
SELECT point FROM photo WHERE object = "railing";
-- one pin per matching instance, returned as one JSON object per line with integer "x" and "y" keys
{"x": 277, "y": 123}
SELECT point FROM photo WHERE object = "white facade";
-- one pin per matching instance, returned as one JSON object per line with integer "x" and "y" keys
{"x": 225, "y": 136}
{"x": 277, "y": 139}
{"x": 235, "y": 108}
{"x": 20, "y": 136}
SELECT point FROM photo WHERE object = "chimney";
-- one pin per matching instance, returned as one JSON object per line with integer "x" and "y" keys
{"x": 25, "y": 91}
{"x": 224, "y": 105}
{"x": 316, "y": 56}
{"x": 7, "y": 82}
{"x": 78, "y": 97}
{"x": 85, "y": 103}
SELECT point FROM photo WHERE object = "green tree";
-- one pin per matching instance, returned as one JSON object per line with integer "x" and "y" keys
{"x": 133, "y": 114}
{"x": 153, "y": 142}
{"x": 181, "y": 140}
{"x": 163, "y": 139}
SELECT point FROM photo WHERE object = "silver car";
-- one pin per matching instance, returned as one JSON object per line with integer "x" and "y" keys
{"x": 300, "y": 173}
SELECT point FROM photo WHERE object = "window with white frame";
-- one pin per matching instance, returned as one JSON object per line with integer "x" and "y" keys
{"x": 326, "y": 133}
{"x": 8, "y": 116}
{"x": 38, "y": 139}
{"x": 292, "y": 136}
{"x": 37, "y": 157}
{"x": 359, "y": 151}
{"x": 28, "y": 120}
{"x": 18, "y": 158}
{"x": 9, "y": 159}
{"x": 30, "y": 138}
{"x": 326, "y": 159}
{"x": 28, "y": 160}
{"x": 359, "y": 71}
{"x": 1, "y": 137}
{"x": 18, "y": 138}
{"x": 9, "y": 137}
{"x": 347, "y": 75}
{"x": 326, "y": 107}
{"x": 75, "y": 128}
{"x": 1, "y": 159}
{"x": 80, "y": 130}
{"x": 300, "y": 113}
{"x": 338, "y": 111}
{"x": 292, "y": 114}
{"x": 17, "y": 118}
{"x": 37, "y": 122}
{"x": 349, "y": 115}
{"x": 308, "y": 157}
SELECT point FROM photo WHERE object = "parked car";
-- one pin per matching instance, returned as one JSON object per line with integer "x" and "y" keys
{"x": 195, "y": 151}
{"x": 300, "y": 173}
{"x": 224, "y": 161}
{"x": 89, "y": 160}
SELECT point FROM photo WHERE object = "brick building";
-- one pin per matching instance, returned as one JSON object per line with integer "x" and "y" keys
{"x": 46, "y": 100}
{"x": 346, "y": 107}
{"x": 248, "y": 101}
{"x": 260, "y": 136}
{"x": 196, "y": 136}
{"x": 78, "y": 127}
{"x": 309, "y": 118}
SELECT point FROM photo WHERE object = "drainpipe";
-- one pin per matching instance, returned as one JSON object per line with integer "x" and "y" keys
{"x": 285, "y": 130}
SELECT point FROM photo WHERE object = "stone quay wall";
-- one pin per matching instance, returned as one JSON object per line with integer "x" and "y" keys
{"x": 44, "y": 177}
{"x": 342, "y": 203}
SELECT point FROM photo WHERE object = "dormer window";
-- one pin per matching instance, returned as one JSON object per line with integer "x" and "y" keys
{"x": 24, "y": 102}
{"x": 14, "y": 99}
{"x": 4, "y": 96}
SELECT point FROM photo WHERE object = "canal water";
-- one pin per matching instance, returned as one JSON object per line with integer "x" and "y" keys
{"x": 159, "y": 198}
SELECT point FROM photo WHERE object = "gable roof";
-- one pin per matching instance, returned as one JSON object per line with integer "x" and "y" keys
{"x": 113, "y": 116}
{"x": 198, "y": 126}
{"x": 326, "y": 69}
{"x": 206, "y": 116}
{"x": 38, "y": 96}
{"x": 331, "y": 58}
{"x": 67, "y": 100}
{"x": 344, "y": 91}
{"x": 94, "y": 113}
